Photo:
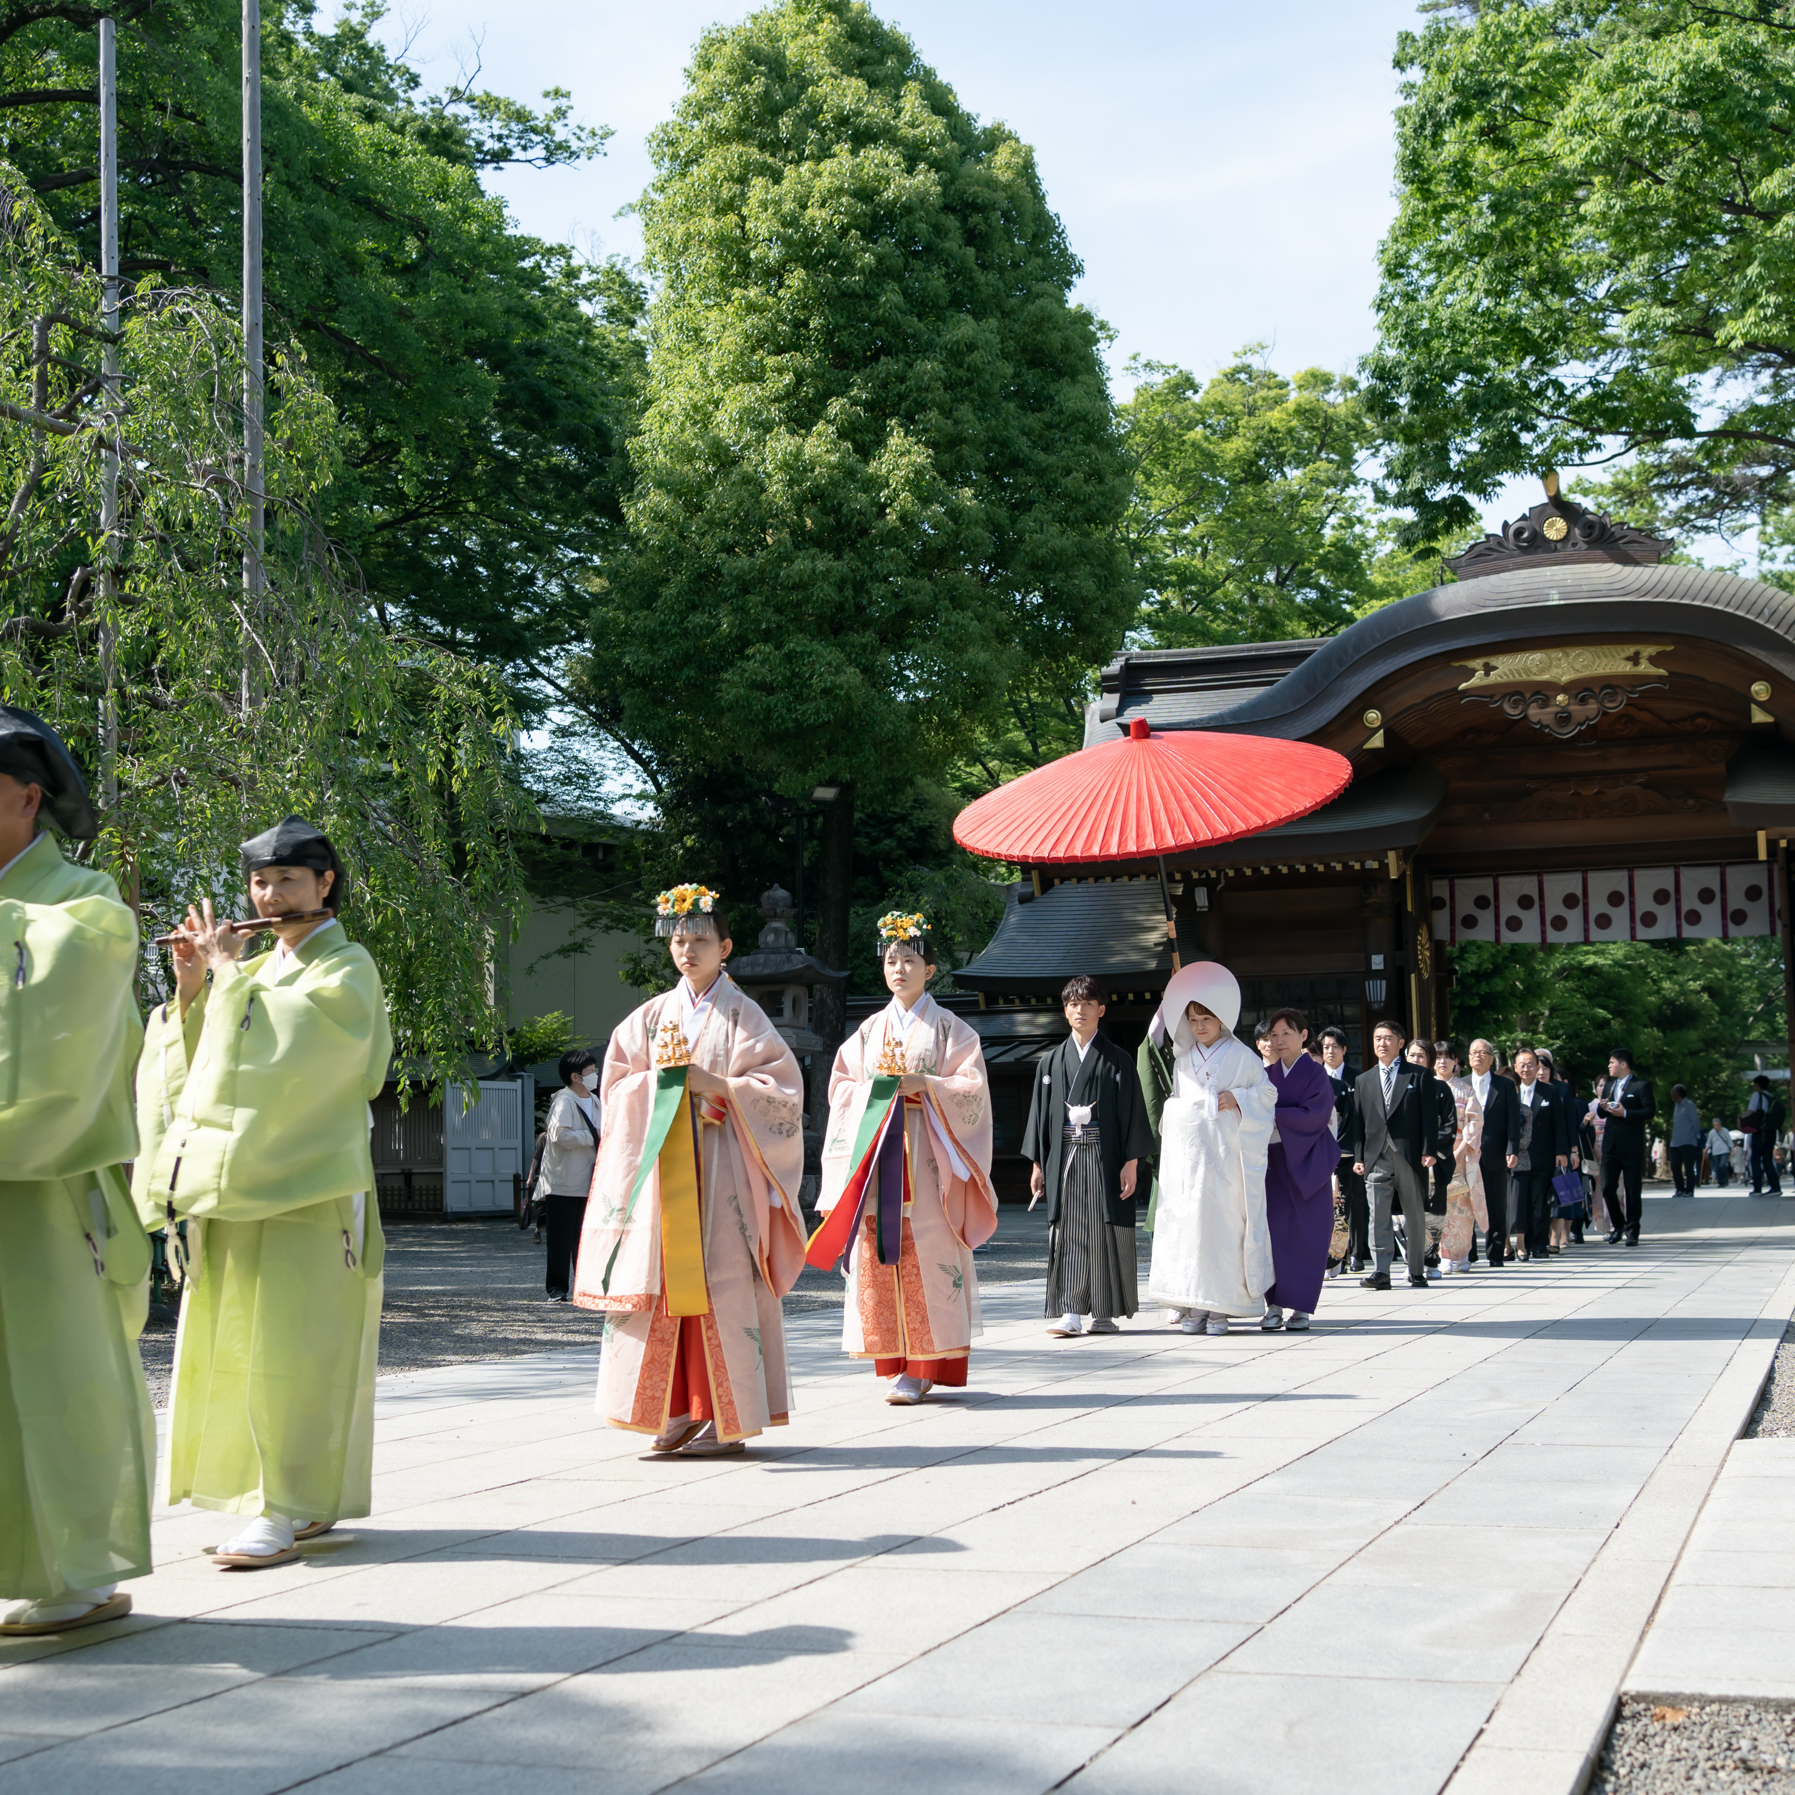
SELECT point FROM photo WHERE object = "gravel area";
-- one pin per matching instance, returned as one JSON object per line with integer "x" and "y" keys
{"x": 461, "y": 1291}
{"x": 1775, "y": 1414}
{"x": 1742, "y": 1748}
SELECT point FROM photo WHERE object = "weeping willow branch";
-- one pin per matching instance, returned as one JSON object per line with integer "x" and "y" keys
{"x": 399, "y": 749}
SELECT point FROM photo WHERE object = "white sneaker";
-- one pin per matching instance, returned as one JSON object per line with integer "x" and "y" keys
{"x": 1297, "y": 1323}
{"x": 1192, "y": 1321}
{"x": 906, "y": 1390}
{"x": 1218, "y": 1324}
{"x": 1273, "y": 1318}
{"x": 1104, "y": 1324}
{"x": 1067, "y": 1326}
{"x": 1174, "y": 1316}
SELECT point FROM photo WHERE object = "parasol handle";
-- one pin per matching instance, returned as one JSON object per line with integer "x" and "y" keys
{"x": 1165, "y": 884}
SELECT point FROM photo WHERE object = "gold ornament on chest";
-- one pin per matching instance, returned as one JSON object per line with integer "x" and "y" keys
{"x": 891, "y": 1062}
{"x": 670, "y": 1047}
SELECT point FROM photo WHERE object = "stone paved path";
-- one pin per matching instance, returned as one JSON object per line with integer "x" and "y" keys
{"x": 1726, "y": 1625}
{"x": 1417, "y": 1546}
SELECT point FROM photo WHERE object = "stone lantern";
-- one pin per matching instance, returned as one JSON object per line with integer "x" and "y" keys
{"x": 784, "y": 981}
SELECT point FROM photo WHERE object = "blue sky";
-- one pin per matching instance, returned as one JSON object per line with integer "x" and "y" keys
{"x": 1224, "y": 171}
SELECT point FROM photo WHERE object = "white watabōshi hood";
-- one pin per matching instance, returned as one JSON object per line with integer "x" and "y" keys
{"x": 1207, "y": 982}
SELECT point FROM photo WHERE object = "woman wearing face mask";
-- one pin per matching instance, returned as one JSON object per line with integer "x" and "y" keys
{"x": 575, "y": 1122}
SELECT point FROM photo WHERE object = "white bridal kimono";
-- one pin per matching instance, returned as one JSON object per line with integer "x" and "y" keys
{"x": 1211, "y": 1246}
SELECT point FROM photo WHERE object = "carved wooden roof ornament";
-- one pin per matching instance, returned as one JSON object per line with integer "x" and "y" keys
{"x": 1571, "y": 699}
{"x": 1561, "y": 528}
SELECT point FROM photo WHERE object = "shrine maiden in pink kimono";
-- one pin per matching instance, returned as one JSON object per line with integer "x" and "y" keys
{"x": 906, "y": 1190}
{"x": 693, "y": 1232}
{"x": 1212, "y": 1254}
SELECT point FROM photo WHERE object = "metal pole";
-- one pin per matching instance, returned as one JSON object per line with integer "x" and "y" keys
{"x": 800, "y": 891}
{"x": 252, "y": 314}
{"x": 110, "y": 369}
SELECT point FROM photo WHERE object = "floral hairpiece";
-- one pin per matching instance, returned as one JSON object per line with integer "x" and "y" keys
{"x": 685, "y": 909}
{"x": 895, "y": 925}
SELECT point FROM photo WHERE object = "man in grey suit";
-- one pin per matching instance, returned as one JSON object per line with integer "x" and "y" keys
{"x": 1395, "y": 1140}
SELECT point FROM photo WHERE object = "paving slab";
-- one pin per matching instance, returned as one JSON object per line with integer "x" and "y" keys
{"x": 1726, "y": 1624}
{"x": 1417, "y": 1547}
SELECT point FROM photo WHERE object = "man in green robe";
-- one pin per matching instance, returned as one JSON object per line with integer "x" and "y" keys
{"x": 253, "y": 1102}
{"x": 77, "y": 1437}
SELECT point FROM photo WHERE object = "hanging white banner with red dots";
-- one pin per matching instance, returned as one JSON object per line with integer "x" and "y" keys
{"x": 1652, "y": 903}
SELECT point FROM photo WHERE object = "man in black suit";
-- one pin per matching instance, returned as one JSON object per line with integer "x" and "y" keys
{"x": 1396, "y": 1136}
{"x": 1545, "y": 1147}
{"x": 1352, "y": 1187}
{"x": 1626, "y": 1109}
{"x": 1500, "y": 1142}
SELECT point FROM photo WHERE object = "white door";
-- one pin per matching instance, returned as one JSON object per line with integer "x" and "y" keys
{"x": 482, "y": 1148}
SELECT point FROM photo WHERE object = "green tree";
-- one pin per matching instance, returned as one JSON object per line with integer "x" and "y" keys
{"x": 878, "y": 476}
{"x": 1252, "y": 517}
{"x": 484, "y": 380}
{"x": 1592, "y": 256}
{"x": 1682, "y": 1008}
{"x": 200, "y": 716}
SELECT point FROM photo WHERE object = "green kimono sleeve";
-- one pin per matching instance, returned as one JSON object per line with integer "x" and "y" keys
{"x": 169, "y": 1044}
{"x": 69, "y": 1032}
{"x": 272, "y": 1113}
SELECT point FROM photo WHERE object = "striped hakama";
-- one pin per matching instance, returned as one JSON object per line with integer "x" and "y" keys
{"x": 1091, "y": 1266}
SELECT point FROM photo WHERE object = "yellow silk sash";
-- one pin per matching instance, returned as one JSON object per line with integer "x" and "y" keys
{"x": 682, "y": 1228}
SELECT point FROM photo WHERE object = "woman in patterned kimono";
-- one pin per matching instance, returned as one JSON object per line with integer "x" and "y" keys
{"x": 1466, "y": 1210}
{"x": 688, "y": 1256}
{"x": 907, "y": 1159}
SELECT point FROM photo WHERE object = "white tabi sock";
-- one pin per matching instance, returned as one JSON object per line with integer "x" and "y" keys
{"x": 71, "y": 1604}
{"x": 262, "y": 1538}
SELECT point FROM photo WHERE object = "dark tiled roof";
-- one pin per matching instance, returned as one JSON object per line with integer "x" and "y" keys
{"x": 1558, "y": 602}
{"x": 1760, "y": 786}
{"x": 1393, "y": 809}
{"x": 1114, "y": 931}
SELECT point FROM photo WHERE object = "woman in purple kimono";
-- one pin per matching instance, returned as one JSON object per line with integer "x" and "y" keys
{"x": 1299, "y": 1201}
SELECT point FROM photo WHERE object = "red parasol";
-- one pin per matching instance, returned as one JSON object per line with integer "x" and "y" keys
{"x": 1145, "y": 795}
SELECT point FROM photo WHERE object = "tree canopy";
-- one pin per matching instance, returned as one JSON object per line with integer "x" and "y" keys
{"x": 484, "y": 380}
{"x": 1592, "y": 257}
{"x": 878, "y": 474}
{"x": 202, "y": 714}
{"x": 1683, "y": 1009}
{"x": 1252, "y": 516}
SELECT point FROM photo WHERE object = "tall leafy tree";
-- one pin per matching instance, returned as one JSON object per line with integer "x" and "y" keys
{"x": 1252, "y": 517}
{"x": 1592, "y": 256}
{"x": 484, "y": 380}
{"x": 878, "y": 476}
{"x": 201, "y": 714}
{"x": 1684, "y": 1009}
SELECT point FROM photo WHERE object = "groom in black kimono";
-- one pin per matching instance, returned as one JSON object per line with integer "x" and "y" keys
{"x": 1087, "y": 1134}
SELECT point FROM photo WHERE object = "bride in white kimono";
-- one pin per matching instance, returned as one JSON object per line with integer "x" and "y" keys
{"x": 1211, "y": 1246}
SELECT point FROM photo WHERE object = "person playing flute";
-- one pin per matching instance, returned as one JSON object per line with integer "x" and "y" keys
{"x": 77, "y": 1436}
{"x": 253, "y": 1104}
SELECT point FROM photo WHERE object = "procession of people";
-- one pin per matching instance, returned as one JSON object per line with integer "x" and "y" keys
{"x": 674, "y": 1173}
